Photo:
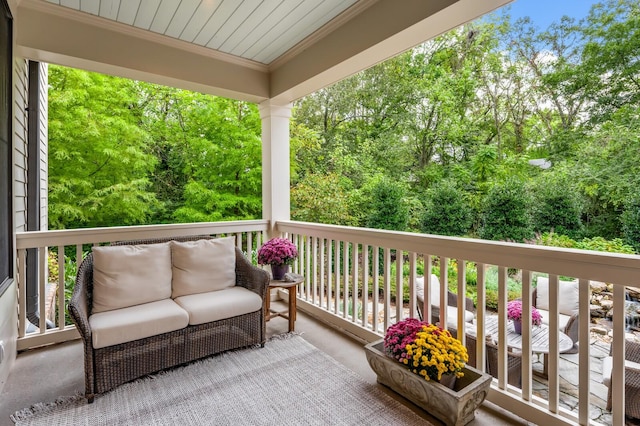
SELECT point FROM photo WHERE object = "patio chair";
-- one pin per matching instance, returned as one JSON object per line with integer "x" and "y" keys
{"x": 568, "y": 306}
{"x": 631, "y": 378}
{"x": 514, "y": 359}
{"x": 452, "y": 302}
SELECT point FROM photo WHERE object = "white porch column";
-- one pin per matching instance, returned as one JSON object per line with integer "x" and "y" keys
{"x": 275, "y": 162}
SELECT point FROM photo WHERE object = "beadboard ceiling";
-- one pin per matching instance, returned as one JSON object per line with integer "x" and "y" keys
{"x": 258, "y": 30}
{"x": 253, "y": 50}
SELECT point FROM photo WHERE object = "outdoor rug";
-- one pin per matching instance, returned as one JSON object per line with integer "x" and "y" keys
{"x": 288, "y": 382}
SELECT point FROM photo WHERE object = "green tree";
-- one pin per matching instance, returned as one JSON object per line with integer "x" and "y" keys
{"x": 505, "y": 214}
{"x": 556, "y": 206}
{"x": 447, "y": 211}
{"x": 631, "y": 221}
{"x": 387, "y": 209}
{"x": 208, "y": 154}
{"x": 98, "y": 159}
{"x": 322, "y": 199}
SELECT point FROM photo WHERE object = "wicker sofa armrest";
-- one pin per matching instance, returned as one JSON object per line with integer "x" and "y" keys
{"x": 250, "y": 276}
{"x": 79, "y": 304}
{"x": 632, "y": 351}
{"x": 572, "y": 328}
{"x": 79, "y": 310}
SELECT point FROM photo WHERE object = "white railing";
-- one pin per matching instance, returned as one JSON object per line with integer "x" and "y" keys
{"x": 67, "y": 248}
{"x": 352, "y": 282}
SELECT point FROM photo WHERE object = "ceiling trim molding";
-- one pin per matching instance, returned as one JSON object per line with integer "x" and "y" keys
{"x": 328, "y": 28}
{"x": 129, "y": 30}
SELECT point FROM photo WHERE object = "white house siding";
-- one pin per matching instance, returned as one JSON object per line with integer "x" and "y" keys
{"x": 8, "y": 301}
{"x": 43, "y": 128}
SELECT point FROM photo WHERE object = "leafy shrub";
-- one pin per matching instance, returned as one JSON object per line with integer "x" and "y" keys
{"x": 514, "y": 288}
{"x": 505, "y": 212}
{"x": 551, "y": 239}
{"x": 616, "y": 245}
{"x": 556, "y": 207}
{"x": 388, "y": 209}
{"x": 631, "y": 222}
{"x": 447, "y": 211}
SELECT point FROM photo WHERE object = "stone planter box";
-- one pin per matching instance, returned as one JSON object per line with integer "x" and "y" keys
{"x": 453, "y": 406}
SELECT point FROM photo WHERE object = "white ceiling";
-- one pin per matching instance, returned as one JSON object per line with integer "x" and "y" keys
{"x": 253, "y": 50}
{"x": 258, "y": 30}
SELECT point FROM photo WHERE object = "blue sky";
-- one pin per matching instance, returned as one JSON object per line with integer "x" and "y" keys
{"x": 544, "y": 12}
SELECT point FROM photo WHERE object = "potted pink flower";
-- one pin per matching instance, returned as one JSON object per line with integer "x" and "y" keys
{"x": 514, "y": 313}
{"x": 279, "y": 253}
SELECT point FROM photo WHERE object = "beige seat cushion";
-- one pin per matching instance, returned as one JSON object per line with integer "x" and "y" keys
{"x": 568, "y": 303}
{"x": 220, "y": 304}
{"x": 126, "y": 276}
{"x": 136, "y": 322}
{"x": 202, "y": 266}
{"x": 563, "y": 319}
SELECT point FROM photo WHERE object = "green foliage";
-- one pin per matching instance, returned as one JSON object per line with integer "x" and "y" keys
{"x": 616, "y": 245}
{"x": 556, "y": 206}
{"x": 514, "y": 288}
{"x": 505, "y": 214}
{"x": 631, "y": 221}
{"x": 322, "y": 199}
{"x": 99, "y": 166}
{"x": 551, "y": 239}
{"x": 387, "y": 209}
{"x": 447, "y": 212}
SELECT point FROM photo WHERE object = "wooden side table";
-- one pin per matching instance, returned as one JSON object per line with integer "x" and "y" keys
{"x": 290, "y": 283}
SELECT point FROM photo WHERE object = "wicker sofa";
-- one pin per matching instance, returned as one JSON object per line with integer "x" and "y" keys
{"x": 143, "y": 326}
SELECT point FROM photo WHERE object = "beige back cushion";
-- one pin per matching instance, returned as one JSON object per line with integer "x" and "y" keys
{"x": 568, "y": 302}
{"x": 203, "y": 265}
{"x": 125, "y": 276}
{"x": 434, "y": 289}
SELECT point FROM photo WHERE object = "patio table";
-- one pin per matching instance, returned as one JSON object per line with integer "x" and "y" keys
{"x": 539, "y": 339}
{"x": 290, "y": 283}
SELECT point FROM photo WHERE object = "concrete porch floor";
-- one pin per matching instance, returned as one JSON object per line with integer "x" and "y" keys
{"x": 43, "y": 374}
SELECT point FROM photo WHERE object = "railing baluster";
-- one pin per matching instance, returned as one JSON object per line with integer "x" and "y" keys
{"x": 426, "y": 306}
{"x": 412, "y": 284}
{"x": 42, "y": 289}
{"x": 61, "y": 288}
{"x": 462, "y": 292}
{"x": 554, "y": 386}
{"x": 330, "y": 262}
{"x": 481, "y": 306}
{"x": 376, "y": 287}
{"x": 321, "y": 249}
{"x": 444, "y": 292}
{"x": 354, "y": 282}
{"x": 619, "y": 348}
{"x": 387, "y": 286}
{"x": 314, "y": 266}
{"x": 308, "y": 269}
{"x": 399, "y": 286}
{"x": 336, "y": 267}
{"x": 365, "y": 285}
{"x": 22, "y": 292}
{"x": 502, "y": 328}
{"x": 584, "y": 355}
{"x": 526, "y": 336}
{"x": 345, "y": 278}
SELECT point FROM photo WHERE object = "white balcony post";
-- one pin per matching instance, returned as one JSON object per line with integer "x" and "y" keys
{"x": 275, "y": 163}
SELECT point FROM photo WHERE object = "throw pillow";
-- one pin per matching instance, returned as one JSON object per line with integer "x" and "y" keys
{"x": 202, "y": 266}
{"x": 125, "y": 276}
